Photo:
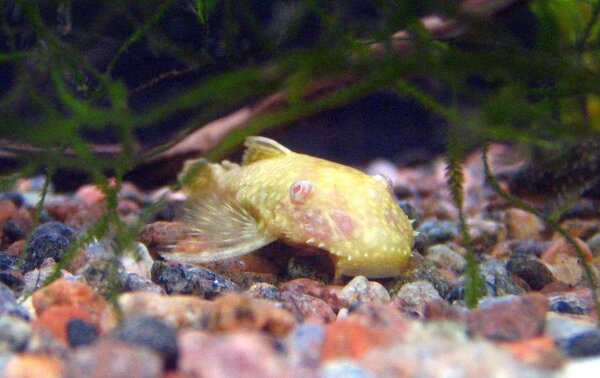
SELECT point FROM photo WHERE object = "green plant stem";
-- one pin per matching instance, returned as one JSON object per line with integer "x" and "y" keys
{"x": 589, "y": 273}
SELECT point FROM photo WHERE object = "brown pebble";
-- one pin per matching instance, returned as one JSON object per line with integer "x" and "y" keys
{"x": 523, "y": 225}
{"x": 159, "y": 235}
{"x": 34, "y": 366}
{"x": 234, "y": 312}
{"x": 90, "y": 193}
{"x": 16, "y": 248}
{"x": 179, "y": 311}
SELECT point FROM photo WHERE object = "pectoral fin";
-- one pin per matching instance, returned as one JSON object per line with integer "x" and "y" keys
{"x": 219, "y": 229}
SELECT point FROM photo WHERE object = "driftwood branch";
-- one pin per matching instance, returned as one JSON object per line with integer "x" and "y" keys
{"x": 206, "y": 137}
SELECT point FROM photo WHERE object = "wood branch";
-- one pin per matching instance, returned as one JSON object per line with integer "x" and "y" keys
{"x": 206, "y": 137}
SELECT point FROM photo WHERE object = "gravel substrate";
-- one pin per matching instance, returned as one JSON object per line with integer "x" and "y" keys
{"x": 278, "y": 313}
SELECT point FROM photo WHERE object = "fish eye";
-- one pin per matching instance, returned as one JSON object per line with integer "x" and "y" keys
{"x": 386, "y": 180}
{"x": 300, "y": 190}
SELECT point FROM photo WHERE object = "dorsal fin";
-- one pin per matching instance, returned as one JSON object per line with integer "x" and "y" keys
{"x": 200, "y": 174}
{"x": 260, "y": 148}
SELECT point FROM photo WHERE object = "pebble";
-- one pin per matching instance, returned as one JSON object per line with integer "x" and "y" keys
{"x": 531, "y": 270}
{"x": 583, "y": 344}
{"x": 150, "y": 333}
{"x": 235, "y": 312}
{"x": 509, "y": 318}
{"x": 135, "y": 282}
{"x": 13, "y": 279}
{"x": 580, "y": 368}
{"x": 263, "y": 290}
{"x": 412, "y": 298}
{"x": 51, "y": 239}
{"x": 498, "y": 280}
{"x": 540, "y": 352}
{"x": 11, "y": 232}
{"x": 523, "y": 225}
{"x": 77, "y": 295}
{"x": 569, "y": 303}
{"x": 33, "y": 366}
{"x": 170, "y": 211}
{"x": 111, "y": 358}
{"x": 347, "y": 339}
{"x": 560, "y": 326}
{"x": 443, "y": 256}
{"x": 178, "y": 278}
{"x": 332, "y": 295}
{"x": 137, "y": 259}
{"x": 441, "y": 357}
{"x": 105, "y": 276}
{"x": 424, "y": 271}
{"x": 306, "y": 307}
{"x": 80, "y": 333}
{"x": 56, "y": 318}
{"x": 485, "y": 234}
{"x": 342, "y": 368}
{"x": 315, "y": 267}
{"x": 9, "y": 305}
{"x": 7, "y": 261}
{"x": 179, "y": 311}
{"x": 305, "y": 343}
{"x": 594, "y": 244}
{"x": 438, "y": 231}
{"x": 360, "y": 289}
{"x": 15, "y": 197}
{"x": 158, "y": 236}
{"x": 243, "y": 355}
{"x": 14, "y": 333}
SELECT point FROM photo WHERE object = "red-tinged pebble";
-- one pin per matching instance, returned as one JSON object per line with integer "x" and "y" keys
{"x": 332, "y": 295}
{"x": 240, "y": 354}
{"x": 34, "y": 366}
{"x": 537, "y": 351}
{"x": 16, "y": 248}
{"x": 90, "y": 194}
{"x": 56, "y": 318}
{"x": 349, "y": 339}
{"x": 114, "y": 359}
{"x": 74, "y": 294}
{"x": 158, "y": 235}
{"x": 306, "y": 307}
{"x": 511, "y": 318}
{"x": 76, "y": 214}
{"x": 235, "y": 312}
{"x": 8, "y": 210}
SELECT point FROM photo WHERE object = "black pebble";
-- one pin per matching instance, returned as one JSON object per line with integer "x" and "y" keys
{"x": 170, "y": 211}
{"x": 80, "y": 332}
{"x": 438, "y": 231}
{"x": 51, "y": 239}
{"x": 186, "y": 279}
{"x": 568, "y": 305}
{"x": 150, "y": 333}
{"x": 530, "y": 270}
{"x": 582, "y": 345}
{"x": 7, "y": 261}
{"x": 11, "y": 232}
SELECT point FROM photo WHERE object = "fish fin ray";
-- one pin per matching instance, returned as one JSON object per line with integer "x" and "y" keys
{"x": 224, "y": 230}
{"x": 260, "y": 148}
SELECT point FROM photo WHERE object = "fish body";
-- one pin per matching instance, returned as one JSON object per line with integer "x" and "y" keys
{"x": 279, "y": 194}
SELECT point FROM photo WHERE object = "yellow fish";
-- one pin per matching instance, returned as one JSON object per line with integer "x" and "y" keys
{"x": 300, "y": 199}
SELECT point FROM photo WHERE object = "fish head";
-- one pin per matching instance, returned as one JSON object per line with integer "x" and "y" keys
{"x": 353, "y": 216}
